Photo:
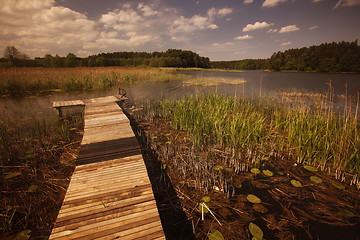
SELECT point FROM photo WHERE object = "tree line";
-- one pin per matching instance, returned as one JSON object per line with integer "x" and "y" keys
{"x": 327, "y": 57}
{"x": 170, "y": 58}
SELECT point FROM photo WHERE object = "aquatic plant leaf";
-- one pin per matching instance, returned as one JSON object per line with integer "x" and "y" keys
{"x": 23, "y": 235}
{"x": 316, "y": 179}
{"x": 260, "y": 208}
{"x": 168, "y": 142}
{"x": 11, "y": 175}
{"x": 268, "y": 173}
{"x": 163, "y": 166}
{"x": 206, "y": 199}
{"x": 237, "y": 184}
{"x": 348, "y": 213}
{"x": 338, "y": 185}
{"x": 215, "y": 235}
{"x": 33, "y": 187}
{"x": 296, "y": 183}
{"x": 218, "y": 168}
{"x": 256, "y": 231}
{"x": 266, "y": 158}
{"x": 203, "y": 207}
{"x": 255, "y": 170}
{"x": 310, "y": 168}
{"x": 253, "y": 199}
{"x": 280, "y": 173}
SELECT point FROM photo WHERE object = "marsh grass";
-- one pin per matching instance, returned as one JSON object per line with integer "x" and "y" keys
{"x": 27, "y": 81}
{"x": 247, "y": 130}
{"x": 36, "y": 153}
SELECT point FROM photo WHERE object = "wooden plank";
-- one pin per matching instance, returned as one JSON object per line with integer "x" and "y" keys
{"x": 109, "y": 195}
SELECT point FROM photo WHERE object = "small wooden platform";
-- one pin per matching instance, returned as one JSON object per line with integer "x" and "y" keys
{"x": 110, "y": 195}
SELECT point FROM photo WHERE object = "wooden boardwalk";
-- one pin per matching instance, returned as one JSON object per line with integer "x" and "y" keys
{"x": 110, "y": 195}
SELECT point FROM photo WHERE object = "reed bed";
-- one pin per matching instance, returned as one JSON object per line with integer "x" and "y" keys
{"x": 23, "y": 81}
{"x": 37, "y": 153}
{"x": 248, "y": 131}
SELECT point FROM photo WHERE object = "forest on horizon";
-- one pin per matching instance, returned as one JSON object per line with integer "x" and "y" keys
{"x": 327, "y": 57}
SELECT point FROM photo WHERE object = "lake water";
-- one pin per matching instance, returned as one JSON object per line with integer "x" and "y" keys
{"x": 256, "y": 83}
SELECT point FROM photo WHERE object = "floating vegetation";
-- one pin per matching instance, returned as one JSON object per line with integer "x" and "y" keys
{"x": 218, "y": 168}
{"x": 253, "y": 199}
{"x": 203, "y": 208}
{"x": 338, "y": 185}
{"x": 268, "y": 173}
{"x": 205, "y": 199}
{"x": 220, "y": 142}
{"x": 260, "y": 208}
{"x": 316, "y": 179}
{"x": 348, "y": 213}
{"x": 256, "y": 231}
{"x": 215, "y": 235}
{"x": 212, "y": 82}
{"x": 310, "y": 168}
{"x": 295, "y": 183}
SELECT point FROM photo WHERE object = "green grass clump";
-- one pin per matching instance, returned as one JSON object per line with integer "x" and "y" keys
{"x": 307, "y": 135}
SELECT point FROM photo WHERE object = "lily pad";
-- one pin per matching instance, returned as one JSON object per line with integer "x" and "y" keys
{"x": 237, "y": 184}
{"x": 348, "y": 213}
{"x": 218, "y": 168}
{"x": 316, "y": 179}
{"x": 255, "y": 170}
{"x": 33, "y": 187}
{"x": 215, "y": 235}
{"x": 296, "y": 183}
{"x": 253, "y": 199}
{"x": 268, "y": 173}
{"x": 260, "y": 208}
{"x": 23, "y": 235}
{"x": 338, "y": 185}
{"x": 280, "y": 173}
{"x": 256, "y": 231}
{"x": 203, "y": 207}
{"x": 11, "y": 175}
{"x": 310, "y": 168}
{"x": 206, "y": 199}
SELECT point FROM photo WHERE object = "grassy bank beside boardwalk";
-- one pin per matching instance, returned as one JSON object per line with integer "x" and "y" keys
{"x": 24, "y": 81}
{"x": 264, "y": 127}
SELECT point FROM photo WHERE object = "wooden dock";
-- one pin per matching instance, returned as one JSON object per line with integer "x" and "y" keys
{"x": 110, "y": 195}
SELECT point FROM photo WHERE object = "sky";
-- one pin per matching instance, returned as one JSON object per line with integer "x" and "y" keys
{"x": 218, "y": 29}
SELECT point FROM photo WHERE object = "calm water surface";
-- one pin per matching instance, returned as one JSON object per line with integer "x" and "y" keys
{"x": 256, "y": 82}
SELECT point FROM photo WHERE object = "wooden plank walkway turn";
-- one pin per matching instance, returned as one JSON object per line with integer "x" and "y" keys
{"x": 110, "y": 195}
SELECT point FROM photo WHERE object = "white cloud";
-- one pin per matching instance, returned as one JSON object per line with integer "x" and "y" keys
{"x": 256, "y": 26}
{"x": 313, "y": 27}
{"x": 197, "y": 22}
{"x": 347, "y": 3}
{"x": 38, "y": 26}
{"x": 148, "y": 10}
{"x": 244, "y": 37}
{"x": 213, "y": 26}
{"x": 272, "y": 3}
{"x": 248, "y": 1}
{"x": 272, "y": 30}
{"x": 222, "y": 12}
{"x": 290, "y": 28}
{"x": 286, "y": 43}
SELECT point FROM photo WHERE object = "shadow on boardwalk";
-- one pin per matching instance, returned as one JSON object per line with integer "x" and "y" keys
{"x": 175, "y": 224}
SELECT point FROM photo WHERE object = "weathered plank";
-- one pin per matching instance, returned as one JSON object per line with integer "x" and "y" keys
{"x": 109, "y": 195}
